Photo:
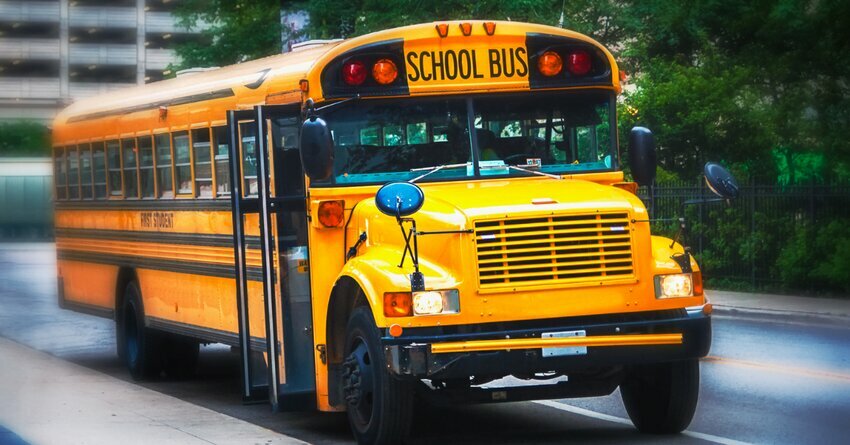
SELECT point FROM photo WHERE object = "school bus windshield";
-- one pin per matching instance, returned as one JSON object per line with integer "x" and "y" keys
{"x": 399, "y": 140}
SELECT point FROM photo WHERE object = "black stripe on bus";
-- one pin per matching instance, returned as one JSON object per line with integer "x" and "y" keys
{"x": 217, "y": 94}
{"x": 196, "y": 205}
{"x": 203, "y": 333}
{"x": 189, "y": 239}
{"x": 186, "y": 267}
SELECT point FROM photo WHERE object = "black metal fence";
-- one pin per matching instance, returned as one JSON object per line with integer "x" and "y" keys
{"x": 772, "y": 237}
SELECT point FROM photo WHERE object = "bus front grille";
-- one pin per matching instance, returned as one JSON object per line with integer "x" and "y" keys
{"x": 554, "y": 250}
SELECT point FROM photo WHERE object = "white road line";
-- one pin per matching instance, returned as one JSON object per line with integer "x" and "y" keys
{"x": 622, "y": 421}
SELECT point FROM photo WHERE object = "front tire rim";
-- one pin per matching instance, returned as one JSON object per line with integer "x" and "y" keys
{"x": 359, "y": 383}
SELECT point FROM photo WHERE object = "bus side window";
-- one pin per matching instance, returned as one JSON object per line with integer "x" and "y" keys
{"x": 73, "y": 172}
{"x": 86, "y": 191}
{"x": 203, "y": 163}
{"x": 146, "y": 172}
{"x": 164, "y": 177}
{"x": 222, "y": 167}
{"x": 182, "y": 162}
{"x": 417, "y": 133}
{"x": 131, "y": 165}
{"x": 99, "y": 167}
{"x": 113, "y": 152}
{"x": 61, "y": 176}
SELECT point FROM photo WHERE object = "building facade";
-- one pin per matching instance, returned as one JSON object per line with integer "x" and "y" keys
{"x": 53, "y": 52}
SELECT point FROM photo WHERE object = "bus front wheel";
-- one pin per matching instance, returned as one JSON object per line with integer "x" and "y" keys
{"x": 141, "y": 346}
{"x": 379, "y": 406}
{"x": 661, "y": 398}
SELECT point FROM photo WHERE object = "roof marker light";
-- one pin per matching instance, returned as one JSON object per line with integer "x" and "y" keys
{"x": 466, "y": 28}
{"x": 443, "y": 30}
{"x": 354, "y": 72}
{"x": 490, "y": 28}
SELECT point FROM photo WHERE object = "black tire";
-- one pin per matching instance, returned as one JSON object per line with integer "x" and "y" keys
{"x": 142, "y": 351}
{"x": 661, "y": 398}
{"x": 380, "y": 407}
{"x": 181, "y": 356}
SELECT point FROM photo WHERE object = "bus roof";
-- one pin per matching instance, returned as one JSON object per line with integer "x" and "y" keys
{"x": 289, "y": 67}
{"x": 205, "y": 96}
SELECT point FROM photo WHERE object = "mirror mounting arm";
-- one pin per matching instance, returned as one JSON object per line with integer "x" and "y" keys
{"x": 417, "y": 280}
{"x": 311, "y": 112}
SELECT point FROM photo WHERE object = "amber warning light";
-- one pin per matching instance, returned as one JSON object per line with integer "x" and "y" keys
{"x": 331, "y": 213}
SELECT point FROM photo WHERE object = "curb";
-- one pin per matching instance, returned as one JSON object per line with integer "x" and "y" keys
{"x": 782, "y": 315}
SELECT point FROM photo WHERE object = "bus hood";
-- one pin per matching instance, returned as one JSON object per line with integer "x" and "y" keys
{"x": 510, "y": 198}
{"x": 456, "y": 206}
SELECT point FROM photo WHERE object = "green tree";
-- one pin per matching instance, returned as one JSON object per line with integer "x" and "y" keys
{"x": 237, "y": 30}
{"x": 742, "y": 82}
{"x": 24, "y": 138}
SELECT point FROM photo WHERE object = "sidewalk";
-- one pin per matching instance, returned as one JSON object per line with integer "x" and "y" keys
{"x": 46, "y": 400}
{"x": 781, "y": 305}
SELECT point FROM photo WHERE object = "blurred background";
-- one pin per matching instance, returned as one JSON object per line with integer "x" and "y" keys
{"x": 760, "y": 86}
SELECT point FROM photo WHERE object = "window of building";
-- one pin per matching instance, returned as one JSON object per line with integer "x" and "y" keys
{"x": 73, "y": 173}
{"x": 86, "y": 191}
{"x": 163, "y": 165}
{"x": 203, "y": 163}
{"x": 222, "y": 167}
{"x": 131, "y": 165}
{"x": 99, "y": 167}
{"x": 182, "y": 162}
{"x": 60, "y": 177}
{"x": 146, "y": 173}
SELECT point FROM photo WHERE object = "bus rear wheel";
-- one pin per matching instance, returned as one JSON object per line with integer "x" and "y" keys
{"x": 661, "y": 398}
{"x": 380, "y": 407}
{"x": 142, "y": 347}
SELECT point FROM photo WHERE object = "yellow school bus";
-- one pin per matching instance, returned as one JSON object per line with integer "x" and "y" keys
{"x": 423, "y": 210}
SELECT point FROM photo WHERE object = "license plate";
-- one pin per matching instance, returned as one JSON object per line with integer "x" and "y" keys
{"x": 558, "y": 352}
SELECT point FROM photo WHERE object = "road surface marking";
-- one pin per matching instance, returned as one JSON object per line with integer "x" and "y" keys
{"x": 778, "y": 368}
{"x": 622, "y": 421}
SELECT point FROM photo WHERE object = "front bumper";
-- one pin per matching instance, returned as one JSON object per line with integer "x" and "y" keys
{"x": 495, "y": 350}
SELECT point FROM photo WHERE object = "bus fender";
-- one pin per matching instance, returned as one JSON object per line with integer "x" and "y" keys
{"x": 663, "y": 249}
{"x": 377, "y": 271}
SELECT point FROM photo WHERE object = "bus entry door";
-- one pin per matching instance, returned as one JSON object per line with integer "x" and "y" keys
{"x": 275, "y": 298}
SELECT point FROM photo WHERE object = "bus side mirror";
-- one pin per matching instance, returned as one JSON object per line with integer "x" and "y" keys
{"x": 317, "y": 149}
{"x": 720, "y": 181}
{"x": 642, "y": 155}
{"x": 399, "y": 199}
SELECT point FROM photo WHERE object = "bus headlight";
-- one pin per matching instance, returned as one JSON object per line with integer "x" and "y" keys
{"x": 674, "y": 285}
{"x": 434, "y": 302}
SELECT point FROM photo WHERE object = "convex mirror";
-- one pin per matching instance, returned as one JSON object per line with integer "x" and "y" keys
{"x": 399, "y": 199}
{"x": 720, "y": 181}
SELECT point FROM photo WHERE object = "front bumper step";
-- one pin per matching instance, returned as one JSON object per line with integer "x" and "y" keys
{"x": 518, "y": 348}
{"x": 556, "y": 342}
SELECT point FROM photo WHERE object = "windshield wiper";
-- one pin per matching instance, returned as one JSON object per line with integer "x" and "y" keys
{"x": 434, "y": 169}
{"x": 534, "y": 172}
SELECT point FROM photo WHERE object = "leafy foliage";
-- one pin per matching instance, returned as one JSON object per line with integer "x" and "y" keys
{"x": 24, "y": 138}
{"x": 238, "y": 30}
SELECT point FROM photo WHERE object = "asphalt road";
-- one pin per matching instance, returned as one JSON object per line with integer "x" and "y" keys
{"x": 765, "y": 381}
